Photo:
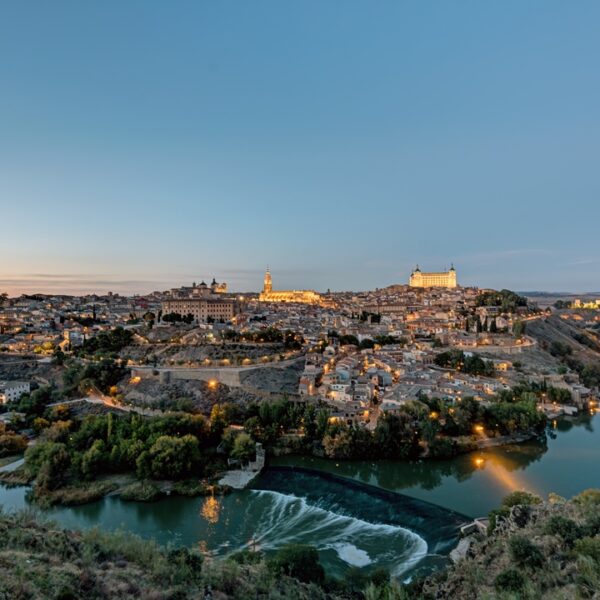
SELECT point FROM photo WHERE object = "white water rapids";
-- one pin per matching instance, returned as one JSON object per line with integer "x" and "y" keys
{"x": 287, "y": 519}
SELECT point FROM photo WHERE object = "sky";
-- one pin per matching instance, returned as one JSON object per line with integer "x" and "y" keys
{"x": 146, "y": 144}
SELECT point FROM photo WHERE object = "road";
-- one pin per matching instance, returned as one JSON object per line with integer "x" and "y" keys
{"x": 109, "y": 402}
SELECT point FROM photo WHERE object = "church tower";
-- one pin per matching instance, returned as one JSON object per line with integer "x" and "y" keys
{"x": 268, "y": 284}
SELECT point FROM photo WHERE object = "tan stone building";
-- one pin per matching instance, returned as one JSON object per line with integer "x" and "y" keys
{"x": 299, "y": 296}
{"x": 202, "y": 308}
{"x": 442, "y": 279}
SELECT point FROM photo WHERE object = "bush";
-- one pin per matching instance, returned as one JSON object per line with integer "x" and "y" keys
{"x": 525, "y": 553}
{"x": 247, "y": 557}
{"x": 187, "y": 562}
{"x": 565, "y": 528}
{"x": 520, "y": 498}
{"x": 588, "y": 498}
{"x": 592, "y": 525}
{"x": 141, "y": 491}
{"x": 509, "y": 580}
{"x": 298, "y": 561}
{"x": 499, "y": 513}
{"x": 589, "y": 547}
{"x": 12, "y": 443}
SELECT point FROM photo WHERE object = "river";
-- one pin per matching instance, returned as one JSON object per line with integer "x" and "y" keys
{"x": 397, "y": 515}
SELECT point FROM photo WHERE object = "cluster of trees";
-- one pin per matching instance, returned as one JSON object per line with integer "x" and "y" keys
{"x": 107, "y": 343}
{"x": 367, "y": 343}
{"x": 83, "y": 378}
{"x": 432, "y": 426}
{"x": 271, "y": 335}
{"x": 35, "y": 404}
{"x": 178, "y": 318}
{"x": 176, "y": 446}
{"x": 472, "y": 364}
{"x": 11, "y": 442}
{"x": 78, "y": 379}
{"x": 562, "y": 304}
{"x": 533, "y": 391}
{"x": 508, "y": 301}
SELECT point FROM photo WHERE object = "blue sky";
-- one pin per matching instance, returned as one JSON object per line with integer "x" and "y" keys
{"x": 147, "y": 144}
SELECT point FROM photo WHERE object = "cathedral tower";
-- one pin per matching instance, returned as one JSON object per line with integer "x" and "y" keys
{"x": 268, "y": 284}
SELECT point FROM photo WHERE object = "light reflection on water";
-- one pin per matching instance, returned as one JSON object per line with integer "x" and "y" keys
{"x": 564, "y": 461}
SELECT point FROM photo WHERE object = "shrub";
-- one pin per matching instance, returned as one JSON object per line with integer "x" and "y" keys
{"x": 12, "y": 443}
{"x": 509, "y": 580}
{"x": 521, "y": 498}
{"x": 588, "y": 498}
{"x": 567, "y": 529}
{"x": 494, "y": 515}
{"x": 299, "y": 561}
{"x": 525, "y": 553}
{"x": 247, "y": 557}
{"x": 589, "y": 546}
{"x": 141, "y": 491}
{"x": 592, "y": 525}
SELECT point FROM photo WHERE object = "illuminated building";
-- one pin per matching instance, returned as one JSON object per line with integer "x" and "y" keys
{"x": 203, "y": 309}
{"x": 299, "y": 296}
{"x": 445, "y": 279}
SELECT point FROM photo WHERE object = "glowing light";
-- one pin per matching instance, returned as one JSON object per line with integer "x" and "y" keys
{"x": 479, "y": 428}
{"x": 212, "y": 384}
{"x": 135, "y": 380}
{"x": 433, "y": 415}
{"x": 479, "y": 462}
{"x": 210, "y": 509}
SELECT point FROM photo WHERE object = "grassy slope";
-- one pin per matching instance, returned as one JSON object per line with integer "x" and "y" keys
{"x": 568, "y": 568}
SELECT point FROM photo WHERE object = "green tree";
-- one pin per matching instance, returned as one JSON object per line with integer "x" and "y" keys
{"x": 174, "y": 457}
{"x": 244, "y": 448}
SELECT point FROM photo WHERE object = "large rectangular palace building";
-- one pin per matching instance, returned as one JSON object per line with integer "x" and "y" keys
{"x": 442, "y": 279}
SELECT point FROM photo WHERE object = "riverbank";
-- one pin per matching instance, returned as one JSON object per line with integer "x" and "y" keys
{"x": 133, "y": 489}
{"x": 127, "y": 487}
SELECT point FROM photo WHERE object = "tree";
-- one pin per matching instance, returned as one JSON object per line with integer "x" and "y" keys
{"x": 366, "y": 344}
{"x": 338, "y": 445}
{"x": 11, "y": 443}
{"x": 174, "y": 457}
{"x": 94, "y": 459}
{"x": 49, "y": 463}
{"x": 518, "y": 329}
{"x": 244, "y": 448}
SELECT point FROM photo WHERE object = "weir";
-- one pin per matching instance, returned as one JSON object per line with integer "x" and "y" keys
{"x": 437, "y": 527}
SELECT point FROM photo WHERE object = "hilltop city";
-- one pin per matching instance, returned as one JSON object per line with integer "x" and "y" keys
{"x": 359, "y": 353}
{"x": 192, "y": 391}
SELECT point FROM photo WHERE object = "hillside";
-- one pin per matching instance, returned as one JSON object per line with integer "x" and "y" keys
{"x": 537, "y": 551}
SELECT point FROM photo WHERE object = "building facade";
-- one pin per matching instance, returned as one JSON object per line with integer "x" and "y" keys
{"x": 298, "y": 296}
{"x": 202, "y": 309}
{"x": 13, "y": 390}
{"x": 445, "y": 279}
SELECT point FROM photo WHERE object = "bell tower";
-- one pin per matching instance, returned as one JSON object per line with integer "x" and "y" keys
{"x": 268, "y": 283}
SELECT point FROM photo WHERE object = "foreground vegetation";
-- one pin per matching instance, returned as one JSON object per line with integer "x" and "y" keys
{"x": 533, "y": 550}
